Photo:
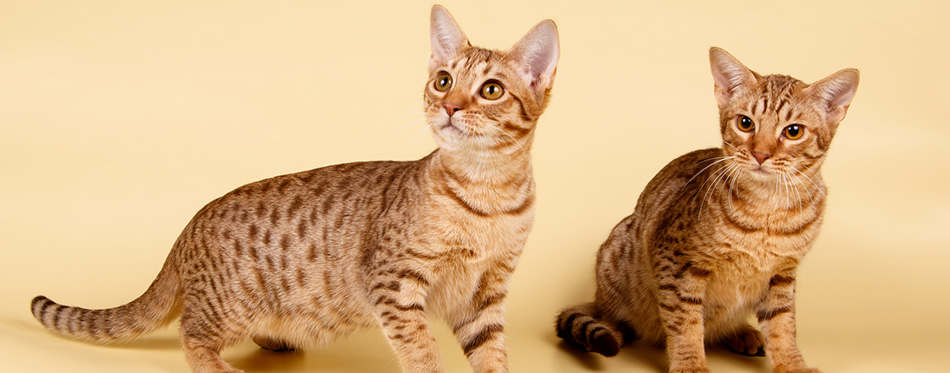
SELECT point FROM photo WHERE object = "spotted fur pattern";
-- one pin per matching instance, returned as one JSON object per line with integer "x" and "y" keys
{"x": 300, "y": 259}
{"x": 717, "y": 235}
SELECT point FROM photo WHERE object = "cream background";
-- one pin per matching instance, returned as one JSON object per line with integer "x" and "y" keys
{"x": 119, "y": 120}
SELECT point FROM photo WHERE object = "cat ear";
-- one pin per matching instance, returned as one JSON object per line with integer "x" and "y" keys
{"x": 537, "y": 54}
{"x": 834, "y": 93}
{"x": 730, "y": 75}
{"x": 445, "y": 35}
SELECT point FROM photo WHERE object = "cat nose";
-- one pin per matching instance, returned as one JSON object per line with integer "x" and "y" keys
{"x": 451, "y": 108}
{"x": 761, "y": 157}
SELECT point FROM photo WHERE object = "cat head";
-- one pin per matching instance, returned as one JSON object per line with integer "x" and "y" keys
{"x": 776, "y": 125}
{"x": 481, "y": 99}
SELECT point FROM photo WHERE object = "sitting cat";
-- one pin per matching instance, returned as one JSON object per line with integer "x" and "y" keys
{"x": 717, "y": 235}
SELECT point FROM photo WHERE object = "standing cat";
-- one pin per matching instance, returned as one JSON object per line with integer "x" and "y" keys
{"x": 302, "y": 258}
{"x": 717, "y": 234}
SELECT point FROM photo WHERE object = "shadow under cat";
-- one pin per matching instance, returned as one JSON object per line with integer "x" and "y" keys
{"x": 654, "y": 358}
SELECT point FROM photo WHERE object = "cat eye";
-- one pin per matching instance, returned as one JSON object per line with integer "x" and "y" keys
{"x": 443, "y": 82}
{"x": 794, "y": 131}
{"x": 492, "y": 90}
{"x": 745, "y": 123}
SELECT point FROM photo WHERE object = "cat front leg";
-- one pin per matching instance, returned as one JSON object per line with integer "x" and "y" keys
{"x": 479, "y": 326}
{"x": 681, "y": 295}
{"x": 776, "y": 317}
{"x": 398, "y": 301}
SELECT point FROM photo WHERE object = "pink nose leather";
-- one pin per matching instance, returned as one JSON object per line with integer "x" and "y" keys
{"x": 451, "y": 108}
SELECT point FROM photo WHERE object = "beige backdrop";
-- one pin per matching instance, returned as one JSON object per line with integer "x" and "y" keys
{"x": 119, "y": 120}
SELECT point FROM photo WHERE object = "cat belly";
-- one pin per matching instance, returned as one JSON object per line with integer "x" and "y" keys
{"x": 308, "y": 328}
{"x": 310, "y": 315}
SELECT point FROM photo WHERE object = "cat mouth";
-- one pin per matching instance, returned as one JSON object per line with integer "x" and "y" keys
{"x": 761, "y": 171}
{"x": 448, "y": 126}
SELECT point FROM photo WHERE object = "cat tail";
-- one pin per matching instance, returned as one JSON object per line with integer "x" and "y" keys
{"x": 157, "y": 307}
{"x": 582, "y": 325}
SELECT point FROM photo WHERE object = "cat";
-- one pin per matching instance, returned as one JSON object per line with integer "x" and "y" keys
{"x": 717, "y": 234}
{"x": 298, "y": 259}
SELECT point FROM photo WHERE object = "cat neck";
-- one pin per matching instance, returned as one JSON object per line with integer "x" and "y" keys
{"x": 777, "y": 191}
{"x": 485, "y": 181}
{"x": 478, "y": 166}
{"x": 777, "y": 203}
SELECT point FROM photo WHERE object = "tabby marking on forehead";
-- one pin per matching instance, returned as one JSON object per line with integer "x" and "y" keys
{"x": 775, "y": 94}
{"x": 717, "y": 235}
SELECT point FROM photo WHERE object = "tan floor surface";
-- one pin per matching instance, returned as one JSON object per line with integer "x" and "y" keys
{"x": 119, "y": 120}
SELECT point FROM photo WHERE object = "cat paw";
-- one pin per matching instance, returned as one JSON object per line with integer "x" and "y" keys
{"x": 747, "y": 341}
{"x": 273, "y": 344}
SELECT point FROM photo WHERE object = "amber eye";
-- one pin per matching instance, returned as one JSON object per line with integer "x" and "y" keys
{"x": 794, "y": 131}
{"x": 745, "y": 123}
{"x": 492, "y": 90}
{"x": 443, "y": 82}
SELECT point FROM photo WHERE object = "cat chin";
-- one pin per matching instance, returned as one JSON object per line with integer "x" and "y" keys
{"x": 760, "y": 173}
{"x": 454, "y": 131}
{"x": 451, "y": 130}
{"x": 454, "y": 134}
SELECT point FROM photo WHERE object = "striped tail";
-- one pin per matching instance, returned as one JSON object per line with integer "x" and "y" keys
{"x": 582, "y": 326}
{"x": 156, "y": 308}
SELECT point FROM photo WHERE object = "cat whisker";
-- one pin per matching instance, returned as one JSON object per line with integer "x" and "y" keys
{"x": 724, "y": 178}
{"x": 718, "y": 160}
{"x": 775, "y": 194}
{"x": 782, "y": 187}
{"x": 518, "y": 144}
{"x": 701, "y": 186}
{"x": 734, "y": 177}
{"x": 714, "y": 159}
{"x": 706, "y": 180}
{"x": 817, "y": 187}
{"x": 788, "y": 200}
{"x": 416, "y": 122}
{"x": 425, "y": 119}
{"x": 424, "y": 129}
{"x": 797, "y": 190}
{"x": 717, "y": 178}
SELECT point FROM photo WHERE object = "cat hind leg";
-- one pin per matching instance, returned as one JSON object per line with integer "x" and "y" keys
{"x": 205, "y": 331}
{"x": 204, "y": 355}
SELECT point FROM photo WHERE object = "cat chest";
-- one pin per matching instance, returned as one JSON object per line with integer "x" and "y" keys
{"x": 732, "y": 297}
{"x": 454, "y": 286}
{"x": 469, "y": 252}
{"x": 740, "y": 274}
{"x": 738, "y": 280}
{"x": 464, "y": 239}
{"x": 758, "y": 250}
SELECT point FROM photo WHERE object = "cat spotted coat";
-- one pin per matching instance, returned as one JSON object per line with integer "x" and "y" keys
{"x": 299, "y": 259}
{"x": 717, "y": 235}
